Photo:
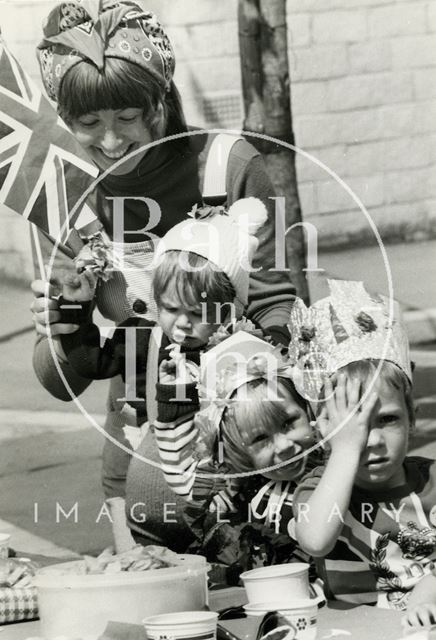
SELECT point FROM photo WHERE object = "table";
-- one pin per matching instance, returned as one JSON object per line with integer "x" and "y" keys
{"x": 336, "y": 621}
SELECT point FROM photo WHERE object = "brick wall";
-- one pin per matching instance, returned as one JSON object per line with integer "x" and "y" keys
{"x": 364, "y": 103}
{"x": 363, "y": 93}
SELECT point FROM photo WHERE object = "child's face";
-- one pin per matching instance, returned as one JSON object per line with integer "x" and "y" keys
{"x": 274, "y": 445}
{"x": 182, "y": 324}
{"x": 381, "y": 464}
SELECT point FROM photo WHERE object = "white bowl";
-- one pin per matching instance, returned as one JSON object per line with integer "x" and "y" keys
{"x": 281, "y": 582}
{"x": 80, "y": 606}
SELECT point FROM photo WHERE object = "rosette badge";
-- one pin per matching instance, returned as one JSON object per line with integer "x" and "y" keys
{"x": 96, "y": 256}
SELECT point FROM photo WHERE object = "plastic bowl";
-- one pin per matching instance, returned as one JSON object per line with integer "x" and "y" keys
{"x": 82, "y": 605}
{"x": 282, "y": 582}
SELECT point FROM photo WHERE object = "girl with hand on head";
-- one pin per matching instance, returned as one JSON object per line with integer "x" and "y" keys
{"x": 109, "y": 66}
{"x": 240, "y": 457}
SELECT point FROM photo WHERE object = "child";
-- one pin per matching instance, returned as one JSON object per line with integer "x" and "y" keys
{"x": 192, "y": 290}
{"x": 368, "y": 515}
{"x": 255, "y": 416}
{"x": 255, "y": 439}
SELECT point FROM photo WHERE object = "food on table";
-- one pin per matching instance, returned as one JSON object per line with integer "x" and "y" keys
{"x": 16, "y": 572}
{"x": 138, "y": 558}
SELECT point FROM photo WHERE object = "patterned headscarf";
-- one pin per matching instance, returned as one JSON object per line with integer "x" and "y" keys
{"x": 94, "y": 30}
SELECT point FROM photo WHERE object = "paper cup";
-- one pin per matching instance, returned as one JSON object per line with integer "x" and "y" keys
{"x": 300, "y": 615}
{"x": 4, "y": 544}
{"x": 280, "y": 583}
{"x": 187, "y": 625}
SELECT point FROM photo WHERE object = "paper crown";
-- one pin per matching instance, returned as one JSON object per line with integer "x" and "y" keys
{"x": 237, "y": 359}
{"x": 349, "y": 325}
{"x": 233, "y": 361}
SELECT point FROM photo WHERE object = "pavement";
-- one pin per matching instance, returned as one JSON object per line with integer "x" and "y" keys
{"x": 50, "y": 455}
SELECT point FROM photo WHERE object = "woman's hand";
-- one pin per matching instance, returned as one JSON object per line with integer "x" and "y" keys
{"x": 45, "y": 310}
{"x": 343, "y": 419}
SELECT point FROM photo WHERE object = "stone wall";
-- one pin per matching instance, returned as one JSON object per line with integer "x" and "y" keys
{"x": 364, "y": 102}
{"x": 363, "y": 90}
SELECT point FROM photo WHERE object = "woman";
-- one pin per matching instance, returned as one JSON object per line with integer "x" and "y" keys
{"x": 110, "y": 71}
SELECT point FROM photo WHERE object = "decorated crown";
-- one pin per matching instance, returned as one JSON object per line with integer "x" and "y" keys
{"x": 349, "y": 325}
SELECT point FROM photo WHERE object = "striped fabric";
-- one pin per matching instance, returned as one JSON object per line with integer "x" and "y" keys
{"x": 176, "y": 444}
{"x": 192, "y": 480}
{"x": 388, "y": 540}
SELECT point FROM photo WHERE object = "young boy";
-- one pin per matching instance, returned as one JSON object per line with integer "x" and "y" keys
{"x": 369, "y": 514}
{"x": 200, "y": 278}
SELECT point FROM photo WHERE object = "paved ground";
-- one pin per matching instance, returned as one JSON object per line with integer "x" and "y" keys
{"x": 50, "y": 457}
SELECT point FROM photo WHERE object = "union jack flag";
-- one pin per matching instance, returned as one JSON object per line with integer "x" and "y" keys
{"x": 44, "y": 172}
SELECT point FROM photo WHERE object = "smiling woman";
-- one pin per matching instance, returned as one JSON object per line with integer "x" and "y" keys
{"x": 115, "y": 113}
{"x": 109, "y": 66}
{"x": 111, "y": 135}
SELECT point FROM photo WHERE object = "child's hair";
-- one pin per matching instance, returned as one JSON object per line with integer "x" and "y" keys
{"x": 253, "y": 411}
{"x": 121, "y": 85}
{"x": 389, "y": 373}
{"x": 189, "y": 286}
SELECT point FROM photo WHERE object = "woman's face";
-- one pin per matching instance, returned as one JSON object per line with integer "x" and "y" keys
{"x": 110, "y": 135}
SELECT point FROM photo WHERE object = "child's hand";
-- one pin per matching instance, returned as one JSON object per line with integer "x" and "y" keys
{"x": 167, "y": 372}
{"x": 178, "y": 371}
{"x": 421, "y": 615}
{"x": 79, "y": 287}
{"x": 340, "y": 403}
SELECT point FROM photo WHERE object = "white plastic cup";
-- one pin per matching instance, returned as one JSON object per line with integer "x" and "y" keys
{"x": 300, "y": 615}
{"x": 186, "y": 625}
{"x": 282, "y": 583}
{"x": 4, "y": 545}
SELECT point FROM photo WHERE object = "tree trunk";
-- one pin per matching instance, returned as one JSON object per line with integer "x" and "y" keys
{"x": 266, "y": 92}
